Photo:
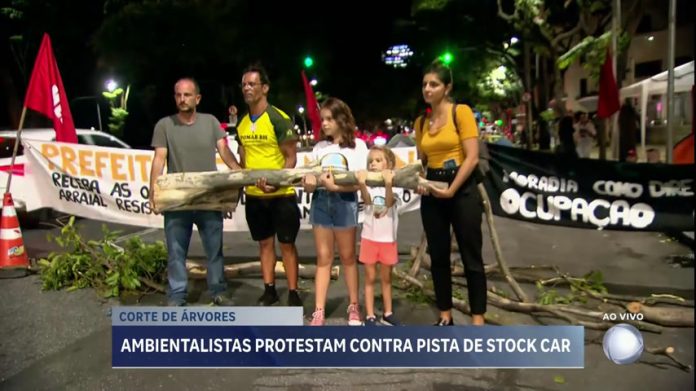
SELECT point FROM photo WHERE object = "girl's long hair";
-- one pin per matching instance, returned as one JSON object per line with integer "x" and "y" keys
{"x": 343, "y": 116}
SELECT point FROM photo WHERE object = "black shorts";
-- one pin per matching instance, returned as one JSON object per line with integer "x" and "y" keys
{"x": 273, "y": 216}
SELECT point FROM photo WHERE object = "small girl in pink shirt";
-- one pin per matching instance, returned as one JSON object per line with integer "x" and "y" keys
{"x": 378, "y": 237}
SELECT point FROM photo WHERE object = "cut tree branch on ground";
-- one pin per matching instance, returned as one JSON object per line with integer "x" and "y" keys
{"x": 418, "y": 256}
{"x": 654, "y": 317}
{"x": 565, "y": 311}
{"x": 666, "y": 316}
{"x": 650, "y": 300}
{"x": 658, "y": 351}
{"x": 669, "y": 353}
{"x": 561, "y": 311}
{"x": 158, "y": 287}
{"x": 253, "y": 268}
{"x": 542, "y": 274}
{"x": 502, "y": 263}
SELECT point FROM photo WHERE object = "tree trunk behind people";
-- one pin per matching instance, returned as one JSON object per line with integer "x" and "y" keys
{"x": 628, "y": 127}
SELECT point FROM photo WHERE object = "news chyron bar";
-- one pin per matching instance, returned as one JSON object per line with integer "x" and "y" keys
{"x": 264, "y": 337}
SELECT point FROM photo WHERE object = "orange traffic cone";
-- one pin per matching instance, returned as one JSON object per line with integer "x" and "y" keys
{"x": 13, "y": 257}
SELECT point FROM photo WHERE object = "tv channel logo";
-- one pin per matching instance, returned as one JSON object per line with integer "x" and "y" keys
{"x": 623, "y": 344}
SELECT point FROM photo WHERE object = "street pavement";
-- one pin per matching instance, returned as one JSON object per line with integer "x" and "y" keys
{"x": 62, "y": 340}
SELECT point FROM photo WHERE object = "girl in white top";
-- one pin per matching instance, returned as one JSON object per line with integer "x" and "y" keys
{"x": 378, "y": 238}
{"x": 334, "y": 210}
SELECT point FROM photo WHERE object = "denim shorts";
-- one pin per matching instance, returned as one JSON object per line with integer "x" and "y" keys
{"x": 334, "y": 210}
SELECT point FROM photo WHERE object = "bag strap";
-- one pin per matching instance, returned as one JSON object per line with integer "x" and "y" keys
{"x": 482, "y": 167}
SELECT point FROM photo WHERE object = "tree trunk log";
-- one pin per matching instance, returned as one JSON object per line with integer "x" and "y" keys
{"x": 418, "y": 257}
{"x": 248, "y": 269}
{"x": 219, "y": 190}
{"x": 196, "y": 199}
{"x": 666, "y": 316}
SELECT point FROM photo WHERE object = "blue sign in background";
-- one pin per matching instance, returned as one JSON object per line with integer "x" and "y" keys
{"x": 572, "y": 336}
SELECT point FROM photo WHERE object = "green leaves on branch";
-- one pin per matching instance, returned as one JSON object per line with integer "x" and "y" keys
{"x": 591, "y": 52}
{"x": 117, "y": 122}
{"x": 118, "y": 101}
{"x": 587, "y": 44}
{"x": 101, "y": 264}
{"x": 11, "y": 13}
{"x": 499, "y": 83}
{"x": 112, "y": 96}
{"x": 579, "y": 288}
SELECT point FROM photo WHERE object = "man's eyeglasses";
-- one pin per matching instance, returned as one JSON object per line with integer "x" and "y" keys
{"x": 252, "y": 85}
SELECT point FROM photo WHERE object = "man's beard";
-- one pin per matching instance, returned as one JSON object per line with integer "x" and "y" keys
{"x": 185, "y": 109}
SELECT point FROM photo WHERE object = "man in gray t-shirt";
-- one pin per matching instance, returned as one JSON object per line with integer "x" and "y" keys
{"x": 190, "y": 148}
{"x": 187, "y": 142}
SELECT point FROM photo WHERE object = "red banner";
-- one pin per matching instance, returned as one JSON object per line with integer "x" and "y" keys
{"x": 47, "y": 95}
{"x": 312, "y": 108}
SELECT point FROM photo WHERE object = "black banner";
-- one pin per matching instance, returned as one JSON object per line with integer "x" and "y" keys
{"x": 546, "y": 188}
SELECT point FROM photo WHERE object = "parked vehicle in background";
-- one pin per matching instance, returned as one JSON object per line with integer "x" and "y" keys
{"x": 8, "y": 138}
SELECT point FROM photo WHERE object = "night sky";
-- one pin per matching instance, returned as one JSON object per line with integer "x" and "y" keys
{"x": 149, "y": 44}
{"x": 214, "y": 41}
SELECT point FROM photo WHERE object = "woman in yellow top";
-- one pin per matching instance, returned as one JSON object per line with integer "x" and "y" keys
{"x": 450, "y": 151}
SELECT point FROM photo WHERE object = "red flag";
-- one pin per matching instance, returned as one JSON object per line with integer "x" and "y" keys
{"x": 683, "y": 151}
{"x": 312, "y": 108}
{"x": 47, "y": 95}
{"x": 608, "y": 102}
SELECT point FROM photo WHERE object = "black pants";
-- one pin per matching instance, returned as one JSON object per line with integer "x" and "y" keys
{"x": 271, "y": 216}
{"x": 463, "y": 213}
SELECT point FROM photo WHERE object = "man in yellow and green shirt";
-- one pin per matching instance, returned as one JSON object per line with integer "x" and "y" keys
{"x": 267, "y": 140}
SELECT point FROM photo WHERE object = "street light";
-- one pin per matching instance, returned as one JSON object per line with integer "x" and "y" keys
{"x": 111, "y": 85}
{"x": 301, "y": 110}
{"x": 313, "y": 82}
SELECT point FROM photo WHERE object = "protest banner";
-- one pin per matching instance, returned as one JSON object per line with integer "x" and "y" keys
{"x": 112, "y": 184}
{"x": 588, "y": 193}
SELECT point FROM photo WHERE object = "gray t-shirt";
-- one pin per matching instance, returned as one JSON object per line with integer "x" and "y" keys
{"x": 190, "y": 148}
